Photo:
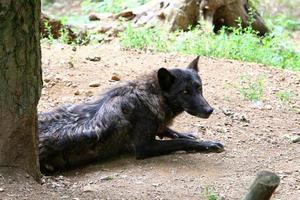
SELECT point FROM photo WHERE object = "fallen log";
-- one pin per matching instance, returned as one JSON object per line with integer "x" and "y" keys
{"x": 181, "y": 14}
{"x": 263, "y": 186}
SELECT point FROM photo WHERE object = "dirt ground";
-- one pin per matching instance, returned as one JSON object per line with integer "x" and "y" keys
{"x": 257, "y": 136}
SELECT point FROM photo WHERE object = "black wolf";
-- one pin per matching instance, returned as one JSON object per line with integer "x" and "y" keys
{"x": 126, "y": 119}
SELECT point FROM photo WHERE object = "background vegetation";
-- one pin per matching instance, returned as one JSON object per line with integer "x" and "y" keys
{"x": 277, "y": 49}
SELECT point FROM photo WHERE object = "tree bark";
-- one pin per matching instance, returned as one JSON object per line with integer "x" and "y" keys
{"x": 263, "y": 186}
{"x": 20, "y": 84}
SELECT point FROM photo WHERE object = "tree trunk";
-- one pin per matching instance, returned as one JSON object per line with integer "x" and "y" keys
{"x": 20, "y": 84}
{"x": 181, "y": 14}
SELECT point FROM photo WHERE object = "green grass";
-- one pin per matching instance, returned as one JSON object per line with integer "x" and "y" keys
{"x": 283, "y": 22}
{"x": 252, "y": 90}
{"x": 285, "y": 96}
{"x": 275, "y": 49}
{"x": 210, "y": 194}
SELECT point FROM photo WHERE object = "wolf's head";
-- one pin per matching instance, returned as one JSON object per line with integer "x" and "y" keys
{"x": 182, "y": 90}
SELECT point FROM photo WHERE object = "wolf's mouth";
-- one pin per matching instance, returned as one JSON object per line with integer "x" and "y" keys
{"x": 199, "y": 114}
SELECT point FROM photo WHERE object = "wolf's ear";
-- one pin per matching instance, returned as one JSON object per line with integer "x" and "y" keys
{"x": 165, "y": 78}
{"x": 194, "y": 64}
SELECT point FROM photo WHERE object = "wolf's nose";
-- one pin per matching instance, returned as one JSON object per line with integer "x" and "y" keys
{"x": 210, "y": 110}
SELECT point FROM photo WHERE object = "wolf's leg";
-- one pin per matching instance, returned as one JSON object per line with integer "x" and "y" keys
{"x": 173, "y": 134}
{"x": 162, "y": 147}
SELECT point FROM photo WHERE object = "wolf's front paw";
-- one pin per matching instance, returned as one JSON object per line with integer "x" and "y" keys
{"x": 213, "y": 147}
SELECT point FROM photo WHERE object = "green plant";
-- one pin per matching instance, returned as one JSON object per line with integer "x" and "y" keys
{"x": 285, "y": 96}
{"x": 64, "y": 36}
{"x": 210, "y": 194}
{"x": 48, "y": 30}
{"x": 250, "y": 90}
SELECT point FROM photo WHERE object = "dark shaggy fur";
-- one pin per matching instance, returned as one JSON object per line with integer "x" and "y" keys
{"x": 126, "y": 119}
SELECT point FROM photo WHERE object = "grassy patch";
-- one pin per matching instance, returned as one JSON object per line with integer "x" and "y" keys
{"x": 242, "y": 44}
{"x": 285, "y": 96}
{"x": 250, "y": 90}
{"x": 283, "y": 22}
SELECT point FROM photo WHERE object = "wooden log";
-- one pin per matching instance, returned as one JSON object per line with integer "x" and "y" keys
{"x": 263, "y": 186}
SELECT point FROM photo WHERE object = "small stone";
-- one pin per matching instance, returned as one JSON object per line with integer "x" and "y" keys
{"x": 46, "y": 80}
{"x": 88, "y": 189}
{"x": 94, "y": 84}
{"x": 295, "y": 139}
{"x": 70, "y": 64}
{"x": 106, "y": 178}
{"x": 227, "y": 112}
{"x": 89, "y": 93}
{"x": 156, "y": 184}
{"x": 268, "y": 107}
{"x": 104, "y": 29}
{"x": 115, "y": 77}
{"x": 94, "y": 17}
{"x": 258, "y": 104}
{"x": 77, "y": 92}
{"x": 1, "y": 190}
{"x": 93, "y": 59}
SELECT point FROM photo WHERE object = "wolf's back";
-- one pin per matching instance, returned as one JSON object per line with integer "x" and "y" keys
{"x": 75, "y": 129}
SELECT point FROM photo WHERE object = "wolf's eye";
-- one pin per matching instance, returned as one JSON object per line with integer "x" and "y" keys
{"x": 200, "y": 88}
{"x": 185, "y": 92}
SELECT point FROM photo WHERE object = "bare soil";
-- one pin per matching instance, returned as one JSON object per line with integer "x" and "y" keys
{"x": 257, "y": 136}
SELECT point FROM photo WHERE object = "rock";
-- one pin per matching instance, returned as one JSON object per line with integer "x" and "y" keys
{"x": 1, "y": 190}
{"x": 77, "y": 92}
{"x": 127, "y": 14}
{"x": 115, "y": 77}
{"x": 70, "y": 64}
{"x": 104, "y": 28}
{"x": 268, "y": 107}
{"x": 94, "y": 84}
{"x": 88, "y": 188}
{"x": 47, "y": 80}
{"x": 227, "y": 112}
{"x": 89, "y": 93}
{"x": 93, "y": 59}
{"x": 258, "y": 104}
{"x": 156, "y": 184}
{"x": 94, "y": 17}
{"x": 106, "y": 178}
{"x": 99, "y": 16}
{"x": 295, "y": 138}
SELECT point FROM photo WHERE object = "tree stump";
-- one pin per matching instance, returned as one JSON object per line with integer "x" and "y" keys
{"x": 263, "y": 186}
{"x": 181, "y": 14}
